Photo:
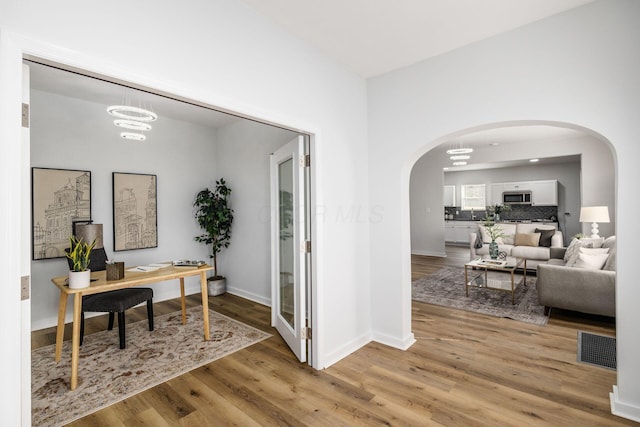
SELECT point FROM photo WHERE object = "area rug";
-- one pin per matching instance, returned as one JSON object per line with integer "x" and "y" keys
{"x": 446, "y": 288}
{"x": 108, "y": 375}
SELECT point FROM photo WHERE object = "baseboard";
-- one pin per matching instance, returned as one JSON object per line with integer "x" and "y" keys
{"x": 621, "y": 409}
{"x": 345, "y": 350}
{"x": 402, "y": 344}
{"x": 250, "y": 296}
{"x": 429, "y": 253}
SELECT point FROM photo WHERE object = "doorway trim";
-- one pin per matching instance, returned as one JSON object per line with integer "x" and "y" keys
{"x": 14, "y": 48}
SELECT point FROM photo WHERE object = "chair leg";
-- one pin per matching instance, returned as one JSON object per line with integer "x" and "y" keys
{"x": 110, "y": 327}
{"x": 150, "y": 313}
{"x": 121, "y": 329}
{"x": 81, "y": 326}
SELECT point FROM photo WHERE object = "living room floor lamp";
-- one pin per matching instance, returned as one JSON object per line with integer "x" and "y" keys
{"x": 594, "y": 215}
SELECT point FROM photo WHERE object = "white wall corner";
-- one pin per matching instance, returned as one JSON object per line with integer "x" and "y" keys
{"x": 622, "y": 409}
{"x": 402, "y": 344}
{"x": 345, "y": 350}
{"x": 249, "y": 295}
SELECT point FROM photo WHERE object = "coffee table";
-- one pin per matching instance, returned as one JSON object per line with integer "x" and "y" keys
{"x": 497, "y": 275}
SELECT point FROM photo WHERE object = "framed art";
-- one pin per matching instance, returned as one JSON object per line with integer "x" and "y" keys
{"x": 59, "y": 198}
{"x": 135, "y": 221}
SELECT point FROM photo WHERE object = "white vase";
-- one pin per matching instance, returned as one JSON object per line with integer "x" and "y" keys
{"x": 79, "y": 279}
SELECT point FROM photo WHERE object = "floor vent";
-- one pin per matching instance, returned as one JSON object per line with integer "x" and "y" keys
{"x": 597, "y": 350}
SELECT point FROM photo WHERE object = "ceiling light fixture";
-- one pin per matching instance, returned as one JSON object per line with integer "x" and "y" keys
{"x": 132, "y": 113}
{"x": 460, "y": 151}
{"x": 534, "y": 160}
{"x": 130, "y": 124}
{"x": 133, "y": 136}
{"x": 460, "y": 157}
{"x": 459, "y": 163}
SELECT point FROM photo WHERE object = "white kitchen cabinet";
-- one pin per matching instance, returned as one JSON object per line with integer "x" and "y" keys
{"x": 495, "y": 198}
{"x": 517, "y": 186}
{"x": 544, "y": 193}
{"x": 458, "y": 231}
{"x": 449, "y": 195}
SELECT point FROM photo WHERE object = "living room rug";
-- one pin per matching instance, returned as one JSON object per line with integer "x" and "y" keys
{"x": 446, "y": 288}
{"x": 108, "y": 374}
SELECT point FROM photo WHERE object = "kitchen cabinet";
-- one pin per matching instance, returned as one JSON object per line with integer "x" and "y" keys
{"x": 544, "y": 193}
{"x": 458, "y": 231}
{"x": 449, "y": 195}
{"x": 517, "y": 186}
{"x": 495, "y": 198}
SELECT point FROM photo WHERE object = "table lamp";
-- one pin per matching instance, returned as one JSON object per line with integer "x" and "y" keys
{"x": 594, "y": 215}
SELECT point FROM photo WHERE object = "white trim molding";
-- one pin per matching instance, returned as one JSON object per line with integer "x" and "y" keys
{"x": 622, "y": 409}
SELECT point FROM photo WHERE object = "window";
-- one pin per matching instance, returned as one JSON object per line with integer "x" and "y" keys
{"x": 473, "y": 197}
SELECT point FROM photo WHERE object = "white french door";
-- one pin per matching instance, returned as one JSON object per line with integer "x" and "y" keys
{"x": 289, "y": 250}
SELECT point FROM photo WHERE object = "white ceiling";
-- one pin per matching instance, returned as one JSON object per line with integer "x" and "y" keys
{"x": 373, "y": 37}
{"x": 369, "y": 36}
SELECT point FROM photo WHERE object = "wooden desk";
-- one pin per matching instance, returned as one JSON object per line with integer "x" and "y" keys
{"x": 131, "y": 279}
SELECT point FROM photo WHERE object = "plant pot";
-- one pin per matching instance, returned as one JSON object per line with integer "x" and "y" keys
{"x": 79, "y": 279}
{"x": 216, "y": 287}
{"x": 493, "y": 250}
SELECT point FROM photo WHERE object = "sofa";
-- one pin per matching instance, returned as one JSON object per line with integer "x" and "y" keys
{"x": 519, "y": 241}
{"x": 575, "y": 285}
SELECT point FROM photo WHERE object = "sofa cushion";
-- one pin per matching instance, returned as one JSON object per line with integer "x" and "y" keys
{"x": 531, "y": 252}
{"x": 545, "y": 236}
{"x": 509, "y": 231}
{"x": 527, "y": 239}
{"x": 556, "y": 261}
{"x": 594, "y": 251}
{"x": 591, "y": 261}
{"x": 610, "y": 242}
{"x": 523, "y": 227}
{"x": 573, "y": 250}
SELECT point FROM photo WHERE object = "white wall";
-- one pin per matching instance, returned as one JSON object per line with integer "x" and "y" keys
{"x": 579, "y": 67}
{"x": 243, "y": 161}
{"x": 221, "y": 53}
{"x": 69, "y": 133}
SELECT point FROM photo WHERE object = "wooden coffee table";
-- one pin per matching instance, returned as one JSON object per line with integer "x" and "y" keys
{"x": 497, "y": 275}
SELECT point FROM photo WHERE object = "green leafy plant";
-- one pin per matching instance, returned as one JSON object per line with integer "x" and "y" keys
{"x": 79, "y": 253}
{"x": 494, "y": 231}
{"x": 215, "y": 217}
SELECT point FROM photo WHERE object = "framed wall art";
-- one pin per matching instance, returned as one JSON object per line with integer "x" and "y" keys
{"x": 59, "y": 198}
{"x": 135, "y": 221}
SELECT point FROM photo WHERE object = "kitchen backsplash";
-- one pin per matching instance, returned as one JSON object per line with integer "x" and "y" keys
{"x": 517, "y": 212}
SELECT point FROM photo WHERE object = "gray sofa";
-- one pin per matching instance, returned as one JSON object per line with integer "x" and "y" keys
{"x": 533, "y": 254}
{"x": 578, "y": 289}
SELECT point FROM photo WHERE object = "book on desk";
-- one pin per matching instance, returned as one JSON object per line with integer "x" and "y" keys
{"x": 185, "y": 263}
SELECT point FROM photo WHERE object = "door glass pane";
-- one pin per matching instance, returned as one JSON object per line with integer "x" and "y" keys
{"x": 285, "y": 189}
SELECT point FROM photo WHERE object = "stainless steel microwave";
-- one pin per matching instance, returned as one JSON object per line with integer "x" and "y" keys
{"x": 516, "y": 197}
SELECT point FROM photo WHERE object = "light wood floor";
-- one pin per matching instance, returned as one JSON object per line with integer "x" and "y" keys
{"x": 465, "y": 369}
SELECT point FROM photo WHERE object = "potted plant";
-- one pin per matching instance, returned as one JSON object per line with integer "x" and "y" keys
{"x": 214, "y": 217}
{"x": 80, "y": 256}
{"x": 494, "y": 231}
{"x": 497, "y": 209}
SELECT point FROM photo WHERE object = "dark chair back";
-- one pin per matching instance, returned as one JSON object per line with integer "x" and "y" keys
{"x": 98, "y": 259}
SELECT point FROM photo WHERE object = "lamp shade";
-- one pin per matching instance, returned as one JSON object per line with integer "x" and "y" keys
{"x": 89, "y": 233}
{"x": 594, "y": 214}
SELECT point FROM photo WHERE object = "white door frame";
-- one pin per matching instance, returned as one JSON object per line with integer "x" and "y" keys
{"x": 14, "y": 223}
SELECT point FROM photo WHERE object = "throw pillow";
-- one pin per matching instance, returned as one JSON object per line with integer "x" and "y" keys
{"x": 593, "y": 251}
{"x": 545, "y": 237}
{"x": 572, "y": 252}
{"x": 527, "y": 239}
{"x": 591, "y": 261}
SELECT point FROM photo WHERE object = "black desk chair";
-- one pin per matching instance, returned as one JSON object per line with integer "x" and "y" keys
{"x": 113, "y": 301}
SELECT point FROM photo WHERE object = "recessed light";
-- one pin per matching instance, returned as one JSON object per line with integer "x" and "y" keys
{"x": 534, "y": 160}
{"x": 445, "y": 168}
{"x": 460, "y": 157}
{"x": 459, "y": 163}
{"x": 460, "y": 151}
{"x": 494, "y": 144}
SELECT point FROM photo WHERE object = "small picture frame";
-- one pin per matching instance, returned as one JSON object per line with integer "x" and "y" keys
{"x": 135, "y": 207}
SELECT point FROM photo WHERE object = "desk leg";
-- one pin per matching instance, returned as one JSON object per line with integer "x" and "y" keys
{"x": 205, "y": 304}
{"x": 183, "y": 302}
{"x": 75, "y": 340}
{"x": 62, "y": 310}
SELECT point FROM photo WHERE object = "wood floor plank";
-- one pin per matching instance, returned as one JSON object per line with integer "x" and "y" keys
{"x": 465, "y": 369}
